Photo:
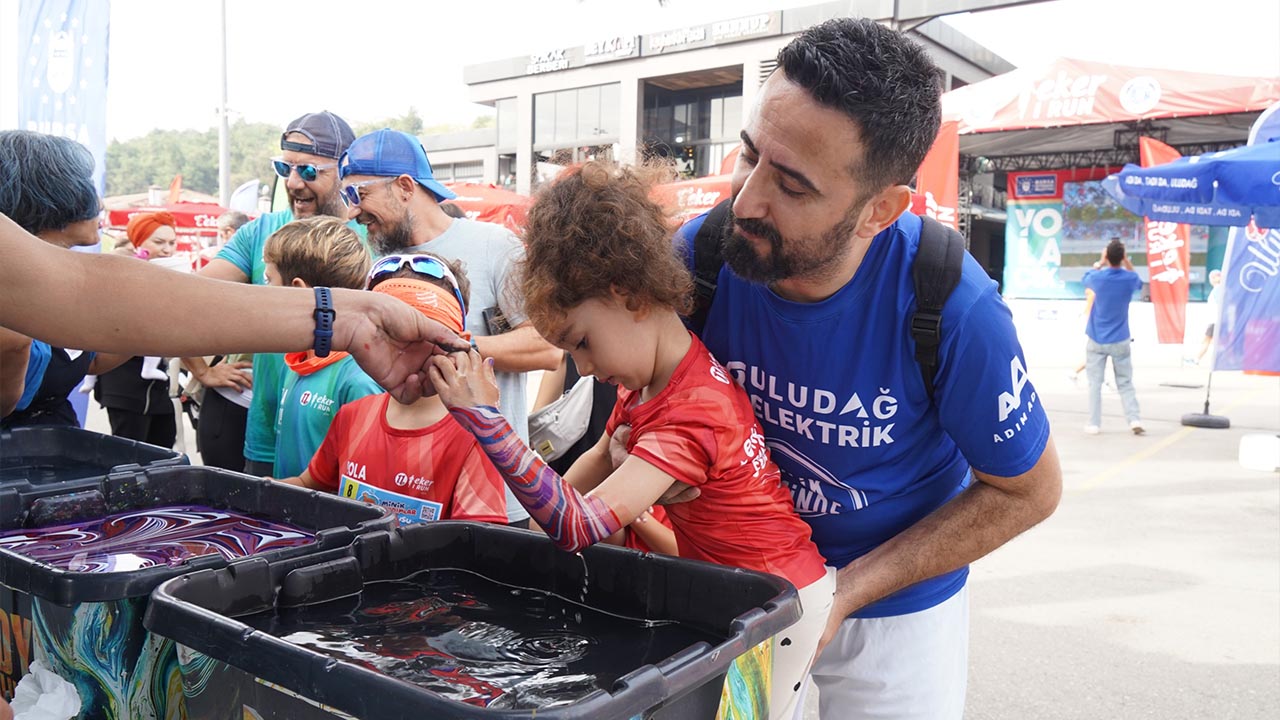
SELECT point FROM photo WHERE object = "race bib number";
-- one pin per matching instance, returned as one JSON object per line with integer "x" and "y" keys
{"x": 409, "y": 509}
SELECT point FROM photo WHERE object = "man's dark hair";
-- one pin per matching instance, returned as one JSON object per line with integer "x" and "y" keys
{"x": 1115, "y": 252}
{"x": 884, "y": 82}
{"x": 46, "y": 181}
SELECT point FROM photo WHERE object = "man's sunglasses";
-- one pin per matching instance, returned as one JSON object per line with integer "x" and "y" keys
{"x": 424, "y": 264}
{"x": 307, "y": 172}
{"x": 351, "y": 193}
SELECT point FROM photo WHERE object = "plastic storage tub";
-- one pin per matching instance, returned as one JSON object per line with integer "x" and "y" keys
{"x": 88, "y": 625}
{"x": 232, "y": 670}
{"x": 55, "y": 457}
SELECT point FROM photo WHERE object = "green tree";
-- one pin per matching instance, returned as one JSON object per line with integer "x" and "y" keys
{"x": 153, "y": 159}
{"x": 410, "y": 122}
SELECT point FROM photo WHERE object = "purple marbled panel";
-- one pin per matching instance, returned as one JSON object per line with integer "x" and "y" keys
{"x": 154, "y": 536}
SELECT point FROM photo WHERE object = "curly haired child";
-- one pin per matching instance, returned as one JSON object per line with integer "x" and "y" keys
{"x": 601, "y": 280}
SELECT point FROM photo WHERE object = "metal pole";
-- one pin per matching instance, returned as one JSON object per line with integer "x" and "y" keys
{"x": 224, "y": 132}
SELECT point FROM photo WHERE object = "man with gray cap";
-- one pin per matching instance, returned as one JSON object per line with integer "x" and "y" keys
{"x": 390, "y": 189}
{"x": 308, "y": 163}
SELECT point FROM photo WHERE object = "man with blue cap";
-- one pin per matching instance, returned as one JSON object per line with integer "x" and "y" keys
{"x": 388, "y": 186}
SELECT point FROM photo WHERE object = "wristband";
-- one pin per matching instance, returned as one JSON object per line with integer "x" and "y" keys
{"x": 324, "y": 316}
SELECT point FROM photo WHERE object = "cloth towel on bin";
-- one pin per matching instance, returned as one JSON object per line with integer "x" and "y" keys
{"x": 42, "y": 695}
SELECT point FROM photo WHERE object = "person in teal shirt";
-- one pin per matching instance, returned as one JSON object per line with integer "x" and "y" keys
{"x": 310, "y": 147}
{"x": 314, "y": 252}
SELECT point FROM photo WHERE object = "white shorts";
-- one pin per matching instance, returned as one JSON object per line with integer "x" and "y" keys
{"x": 793, "y": 648}
{"x": 906, "y": 667}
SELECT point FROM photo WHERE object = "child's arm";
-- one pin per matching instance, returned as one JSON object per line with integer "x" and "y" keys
{"x": 467, "y": 386}
{"x": 659, "y": 537}
{"x": 303, "y": 481}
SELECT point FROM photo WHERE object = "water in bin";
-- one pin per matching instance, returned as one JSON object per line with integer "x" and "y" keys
{"x": 471, "y": 639}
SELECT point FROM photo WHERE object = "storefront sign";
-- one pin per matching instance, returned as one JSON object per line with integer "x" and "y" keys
{"x": 615, "y": 48}
{"x": 549, "y": 61}
{"x": 673, "y": 40}
{"x": 746, "y": 27}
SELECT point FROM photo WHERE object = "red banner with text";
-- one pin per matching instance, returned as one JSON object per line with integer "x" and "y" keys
{"x": 938, "y": 180}
{"x": 1168, "y": 256}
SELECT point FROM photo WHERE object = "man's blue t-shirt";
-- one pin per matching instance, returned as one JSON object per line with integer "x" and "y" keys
{"x": 838, "y": 391}
{"x": 1113, "y": 288}
{"x": 244, "y": 250}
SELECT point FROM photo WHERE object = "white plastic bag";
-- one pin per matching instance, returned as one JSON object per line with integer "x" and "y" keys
{"x": 42, "y": 695}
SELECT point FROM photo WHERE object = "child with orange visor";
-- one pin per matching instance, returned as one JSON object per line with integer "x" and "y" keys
{"x": 413, "y": 458}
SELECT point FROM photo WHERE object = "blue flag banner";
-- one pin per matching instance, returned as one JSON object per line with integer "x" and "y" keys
{"x": 62, "y": 72}
{"x": 1249, "y": 334}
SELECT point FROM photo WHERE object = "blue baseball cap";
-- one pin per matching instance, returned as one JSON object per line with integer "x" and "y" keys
{"x": 391, "y": 153}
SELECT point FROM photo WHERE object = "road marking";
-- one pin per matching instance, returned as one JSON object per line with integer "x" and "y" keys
{"x": 1138, "y": 457}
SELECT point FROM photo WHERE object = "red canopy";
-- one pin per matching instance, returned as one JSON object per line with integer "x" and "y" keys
{"x": 1079, "y": 92}
{"x": 193, "y": 218}
{"x": 490, "y": 203}
{"x": 689, "y": 198}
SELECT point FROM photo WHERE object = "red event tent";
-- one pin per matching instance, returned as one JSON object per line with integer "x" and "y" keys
{"x": 490, "y": 203}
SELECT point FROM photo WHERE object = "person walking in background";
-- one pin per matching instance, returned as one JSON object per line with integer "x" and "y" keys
{"x": 310, "y": 147}
{"x": 1113, "y": 285}
{"x": 228, "y": 224}
{"x": 390, "y": 189}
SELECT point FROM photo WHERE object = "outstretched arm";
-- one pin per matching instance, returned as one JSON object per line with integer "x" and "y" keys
{"x": 108, "y": 303}
{"x": 466, "y": 384}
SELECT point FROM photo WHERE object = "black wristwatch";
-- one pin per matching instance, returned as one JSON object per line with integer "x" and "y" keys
{"x": 324, "y": 316}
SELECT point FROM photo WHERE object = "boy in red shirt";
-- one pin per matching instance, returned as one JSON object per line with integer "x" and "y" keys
{"x": 413, "y": 458}
{"x": 601, "y": 281}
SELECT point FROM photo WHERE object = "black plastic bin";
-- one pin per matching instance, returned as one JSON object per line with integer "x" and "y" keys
{"x": 88, "y": 625}
{"x": 55, "y": 457}
{"x": 232, "y": 670}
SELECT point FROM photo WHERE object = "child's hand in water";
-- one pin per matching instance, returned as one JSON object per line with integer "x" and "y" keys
{"x": 464, "y": 379}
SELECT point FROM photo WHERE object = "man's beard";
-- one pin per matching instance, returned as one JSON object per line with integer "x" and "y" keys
{"x": 330, "y": 206}
{"x": 395, "y": 237}
{"x": 794, "y": 258}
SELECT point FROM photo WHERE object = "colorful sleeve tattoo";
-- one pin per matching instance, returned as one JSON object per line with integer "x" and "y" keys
{"x": 572, "y": 521}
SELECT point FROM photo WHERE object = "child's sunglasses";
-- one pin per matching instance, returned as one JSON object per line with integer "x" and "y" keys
{"x": 307, "y": 172}
{"x": 425, "y": 264}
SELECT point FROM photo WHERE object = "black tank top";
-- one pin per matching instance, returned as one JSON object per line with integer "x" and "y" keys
{"x": 50, "y": 405}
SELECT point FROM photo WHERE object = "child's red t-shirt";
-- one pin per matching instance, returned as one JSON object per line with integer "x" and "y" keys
{"x": 434, "y": 473}
{"x": 700, "y": 430}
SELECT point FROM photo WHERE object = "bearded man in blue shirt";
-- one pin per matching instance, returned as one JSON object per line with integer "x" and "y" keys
{"x": 811, "y": 313}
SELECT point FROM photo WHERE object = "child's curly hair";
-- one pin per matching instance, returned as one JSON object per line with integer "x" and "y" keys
{"x": 596, "y": 229}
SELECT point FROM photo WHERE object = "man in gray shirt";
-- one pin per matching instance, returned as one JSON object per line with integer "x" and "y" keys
{"x": 389, "y": 187}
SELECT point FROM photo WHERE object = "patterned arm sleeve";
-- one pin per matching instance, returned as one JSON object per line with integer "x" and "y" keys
{"x": 572, "y": 521}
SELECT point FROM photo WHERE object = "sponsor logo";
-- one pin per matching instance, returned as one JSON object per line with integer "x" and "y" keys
{"x": 1029, "y": 186}
{"x": 816, "y": 413}
{"x": 316, "y": 401}
{"x": 414, "y": 482}
{"x": 1140, "y": 95}
{"x": 1062, "y": 96}
{"x": 1010, "y": 403}
{"x": 814, "y": 490}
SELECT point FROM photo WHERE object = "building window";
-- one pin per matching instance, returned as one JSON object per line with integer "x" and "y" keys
{"x": 695, "y": 127}
{"x": 578, "y": 117}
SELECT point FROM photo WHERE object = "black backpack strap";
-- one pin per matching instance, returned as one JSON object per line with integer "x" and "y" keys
{"x": 935, "y": 273}
{"x": 707, "y": 261}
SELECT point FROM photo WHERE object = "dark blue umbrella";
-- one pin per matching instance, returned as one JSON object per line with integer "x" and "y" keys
{"x": 1220, "y": 188}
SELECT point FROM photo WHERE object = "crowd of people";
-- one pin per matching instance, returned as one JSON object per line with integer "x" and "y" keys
{"x": 793, "y": 433}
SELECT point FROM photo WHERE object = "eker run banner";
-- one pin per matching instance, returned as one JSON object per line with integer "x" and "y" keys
{"x": 1168, "y": 256}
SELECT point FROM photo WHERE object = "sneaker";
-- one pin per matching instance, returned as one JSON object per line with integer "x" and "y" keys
{"x": 1136, "y": 427}
{"x": 1092, "y": 429}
